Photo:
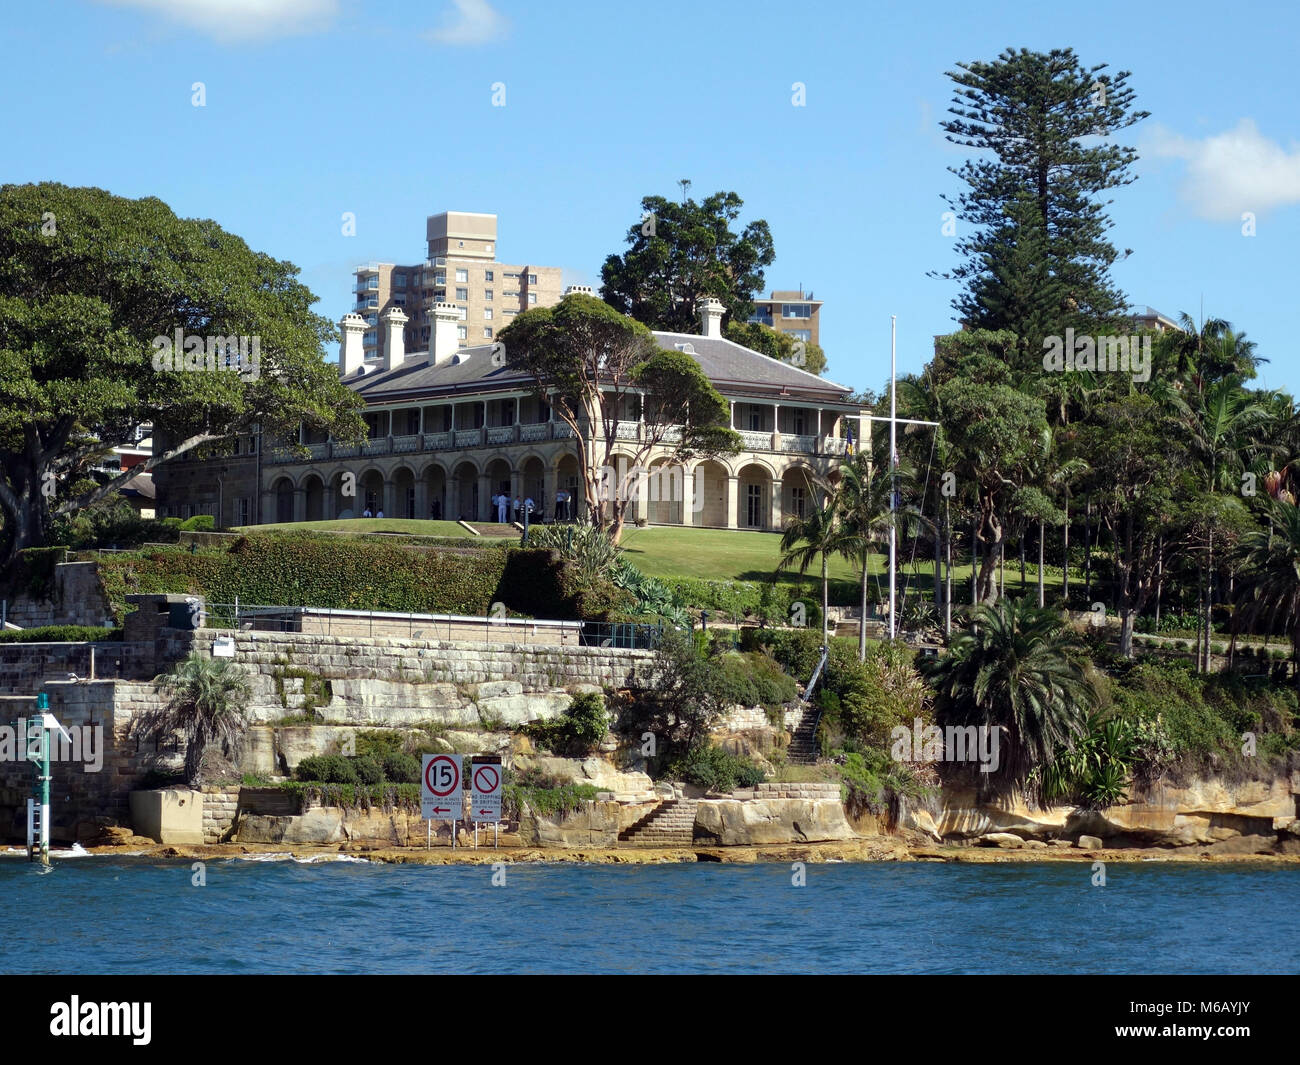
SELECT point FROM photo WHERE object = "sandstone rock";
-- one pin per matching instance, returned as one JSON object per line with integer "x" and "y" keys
{"x": 322, "y": 824}
{"x": 729, "y": 822}
{"x": 1058, "y": 843}
{"x": 921, "y": 821}
{"x": 594, "y": 824}
{"x": 1089, "y": 843}
{"x": 1035, "y": 845}
{"x": 1005, "y": 840}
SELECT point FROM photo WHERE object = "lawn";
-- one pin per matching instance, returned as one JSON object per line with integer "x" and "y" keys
{"x": 707, "y": 554}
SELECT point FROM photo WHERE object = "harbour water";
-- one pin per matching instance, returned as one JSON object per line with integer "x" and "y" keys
{"x": 277, "y": 915}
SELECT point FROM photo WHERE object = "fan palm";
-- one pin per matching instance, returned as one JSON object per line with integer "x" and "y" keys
{"x": 205, "y": 703}
{"x": 1269, "y": 592}
{"x": 817, "y": 534}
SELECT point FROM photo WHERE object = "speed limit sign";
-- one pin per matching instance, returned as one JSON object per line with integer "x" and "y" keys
{"x": 441, "y": 797}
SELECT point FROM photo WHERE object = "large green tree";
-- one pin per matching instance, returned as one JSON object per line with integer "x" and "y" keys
{"x": 680, "y": 253}
{"x": 598, "y": 368}
{"x": 88, "y": 281}
{"x": 1035, "y": 245}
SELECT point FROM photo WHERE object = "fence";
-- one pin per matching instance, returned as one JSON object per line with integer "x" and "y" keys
{"x": 326, "y": 621}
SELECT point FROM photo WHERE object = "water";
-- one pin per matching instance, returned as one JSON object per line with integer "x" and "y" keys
{"x": 141, "y": 915}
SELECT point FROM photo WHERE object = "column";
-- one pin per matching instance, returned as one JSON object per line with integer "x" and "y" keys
{"x": 452, "y": 509}
{"x": 776, "y": 427}
{"x": 422, "y": 497}
{"x": 642, "y": 487}
{"x": 689, "y": 500}
{"x": 777, "y": 501}
{"x": 299, "y": 504}
{"x": 550, "y": 480}
{"x": 484, "y": 497}
{"x": 733, "y": 493}
{"x": 329, "y": 502}
{"x": 269, "y": 507}
{"x": 389, "y": 497}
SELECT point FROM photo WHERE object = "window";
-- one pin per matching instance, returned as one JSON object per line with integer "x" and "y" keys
{"x": 372, "y": 283}
{"x": 462, "y": 275}
{"x": 372, "y": 319}
{"x": 487, "y": 314}
{"x": 487, "y": 274}
{"x": 400, "y": 300}
{"x": 242, "y": 512}
{"x": 796, "y": 310}
{"x": 487, "y": 247}
{"x": 399, "y": 281}
{"x": 487, "y": 332}
{"x": 369, "y": 338}
{"x": 755, "y": 418}
{"x": 510, "y": 276}
{"x": 511, "y": 310}
{"x": 532, "y": 279}
{"x": 799, "y": 334}
{"x": 487, "y": 294}
{"x": 508, "y": 294}
{"x": 799, "y": 423}
{"x": 798, "y": 500}
{"x": 462, "y": 293}
{"x": 440, "y": 293}
{"x": 754, "y": 505}
{"x": 464, "y": 314}
{"x": 532, "y": 297}
{"x": 440, "y": 278}
{"x": 461, "y": 332}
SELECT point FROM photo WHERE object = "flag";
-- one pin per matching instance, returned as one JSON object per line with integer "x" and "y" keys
{"x": 848, "y": 444}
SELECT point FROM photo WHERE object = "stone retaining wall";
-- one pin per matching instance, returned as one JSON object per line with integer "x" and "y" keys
{"x": 220, "y": 805}
{"x": 77, "y": 599}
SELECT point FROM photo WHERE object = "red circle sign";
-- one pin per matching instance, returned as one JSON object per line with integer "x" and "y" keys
{"x": 489, "y": 774}
{"x": 441, "y": 770}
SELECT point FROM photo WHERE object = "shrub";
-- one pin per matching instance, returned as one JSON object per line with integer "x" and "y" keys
{"x": 199, "y": 523}
{"x": 327, "y": 769}
{"x": 369, "y": 769}
{"x": 401, "y": 768}
{"x": 714, "y": 769}
{"x": 584, "y": 723}
{"x": 754, "y": 679}
{"x": 60, "y": 634}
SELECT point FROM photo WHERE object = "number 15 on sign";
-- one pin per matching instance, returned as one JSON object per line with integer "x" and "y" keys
{"x": 440, "y": 788}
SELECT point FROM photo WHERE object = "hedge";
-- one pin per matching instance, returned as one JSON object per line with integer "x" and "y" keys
{"x": 60, "y": 634}
{"x": 337, "y": 572}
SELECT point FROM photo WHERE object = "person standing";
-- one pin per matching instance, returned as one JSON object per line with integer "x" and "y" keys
{"x": 561, "y": 505}
{"x": 502, "y": 500}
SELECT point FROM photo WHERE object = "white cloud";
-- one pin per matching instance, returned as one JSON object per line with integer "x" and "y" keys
{"x": 473, "y": 22}
{"x": 1232, "y": 172}
{"x": 241, "y": 20}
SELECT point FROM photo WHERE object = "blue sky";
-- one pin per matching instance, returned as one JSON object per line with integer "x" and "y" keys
{"x": 319, "y": 107}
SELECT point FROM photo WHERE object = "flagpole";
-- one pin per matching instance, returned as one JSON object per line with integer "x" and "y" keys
{"x": 893, "y": 462}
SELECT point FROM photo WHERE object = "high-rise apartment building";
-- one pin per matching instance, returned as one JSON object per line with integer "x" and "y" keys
{"x": 461, "y": 269}
{"x": 790, "y": 311}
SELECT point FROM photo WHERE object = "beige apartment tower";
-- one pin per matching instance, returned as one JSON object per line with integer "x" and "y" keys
{"x": 462, "y": 269}
{"x": 792, "y": 311}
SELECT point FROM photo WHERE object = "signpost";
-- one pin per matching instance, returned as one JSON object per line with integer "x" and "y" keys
{"x": 37, "y": 749}
{"x": 441, "y": 796}
{"x": 485, "y": 784}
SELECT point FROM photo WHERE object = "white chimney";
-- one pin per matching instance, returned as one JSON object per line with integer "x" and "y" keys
{"x": 443, "y": 343}
{"x": 711, "y": 317}
{"x": 394, "y": 339}
{"x": 579, "y": 290}
{"x": 351, "y": 354}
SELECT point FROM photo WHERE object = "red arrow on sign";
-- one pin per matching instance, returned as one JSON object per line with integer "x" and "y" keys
{"x": 485, "y": 811}
{"x": 442, "y": 809}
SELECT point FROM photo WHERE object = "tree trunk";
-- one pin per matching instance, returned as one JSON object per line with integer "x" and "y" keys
{"x": 1087, "y": 548}
{"x": 1160, "y": 577}
{"x": 974, "y": 562}
{"x": 1022, "y": 562}
{"x": 1065, "y": 557}
{"x": 1042, "y": 591}
{"x": 862, "y": 618}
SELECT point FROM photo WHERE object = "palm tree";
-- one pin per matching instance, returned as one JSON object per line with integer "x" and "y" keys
{"x": 865, "y": 519}
{"x": 817, "y": 534}
{"x": 1018, "y": 669}
{"x": 205, "y": 703}
{"x": 1270, "y": 588}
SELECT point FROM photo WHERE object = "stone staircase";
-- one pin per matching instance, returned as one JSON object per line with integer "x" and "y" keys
{"x": 803, "y": 738}
{"x": 670, "y": 824}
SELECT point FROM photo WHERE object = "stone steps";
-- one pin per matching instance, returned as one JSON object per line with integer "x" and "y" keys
{"x": 803, "y": 739}
{"x": 670, "y": 824}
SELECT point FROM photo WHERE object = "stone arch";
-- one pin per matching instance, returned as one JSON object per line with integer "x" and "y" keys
{"x": 797, "y": 490}
{"x": 282, "y": 489}
{"x": 313, "y": 487}
{"x": 711, "y": 488}
{"x": 666, "y": 491}
{"x": 568, "y": 478}
{"x": 754, "y": 496}
{"x": 403, "y": 480}
{"x": 463, "y": 491}
{"x": 434, "y": 478}
{"x": 345, "y": 504}
{"x": 370, "y": 492}
{"x": 532, "y": 485}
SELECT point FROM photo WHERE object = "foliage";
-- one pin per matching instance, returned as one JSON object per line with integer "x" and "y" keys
{"x": 545, "y": 795}
{"x": 871, "y": 781}
{"x": 80, "y": 307}
{"x": 754, "y": 679}
{"x": 60, "y": 634}
{"x": 865, "y": 701}
{"x": 112, "y": 522}
{"x": 584, "y": 724}
{"x": 205, "y": 702}
{"x": 710, "y": 767}
{"x": 776, "y": 344}
{"x": 1094, "y": 770}
{"x": 334, "y": 571}
{"x": 1018, "y": 669}
{"x": 329, "y": 769}
{"x": 689, "y": 253}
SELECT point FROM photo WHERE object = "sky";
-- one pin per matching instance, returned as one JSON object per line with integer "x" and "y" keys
{"x": 314, "y": 109}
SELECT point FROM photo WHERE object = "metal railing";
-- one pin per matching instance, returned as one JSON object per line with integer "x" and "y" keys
{"x": 327, "y": 621}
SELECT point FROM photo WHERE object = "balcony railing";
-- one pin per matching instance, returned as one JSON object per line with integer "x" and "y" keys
{"x": 752, "y": 440}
